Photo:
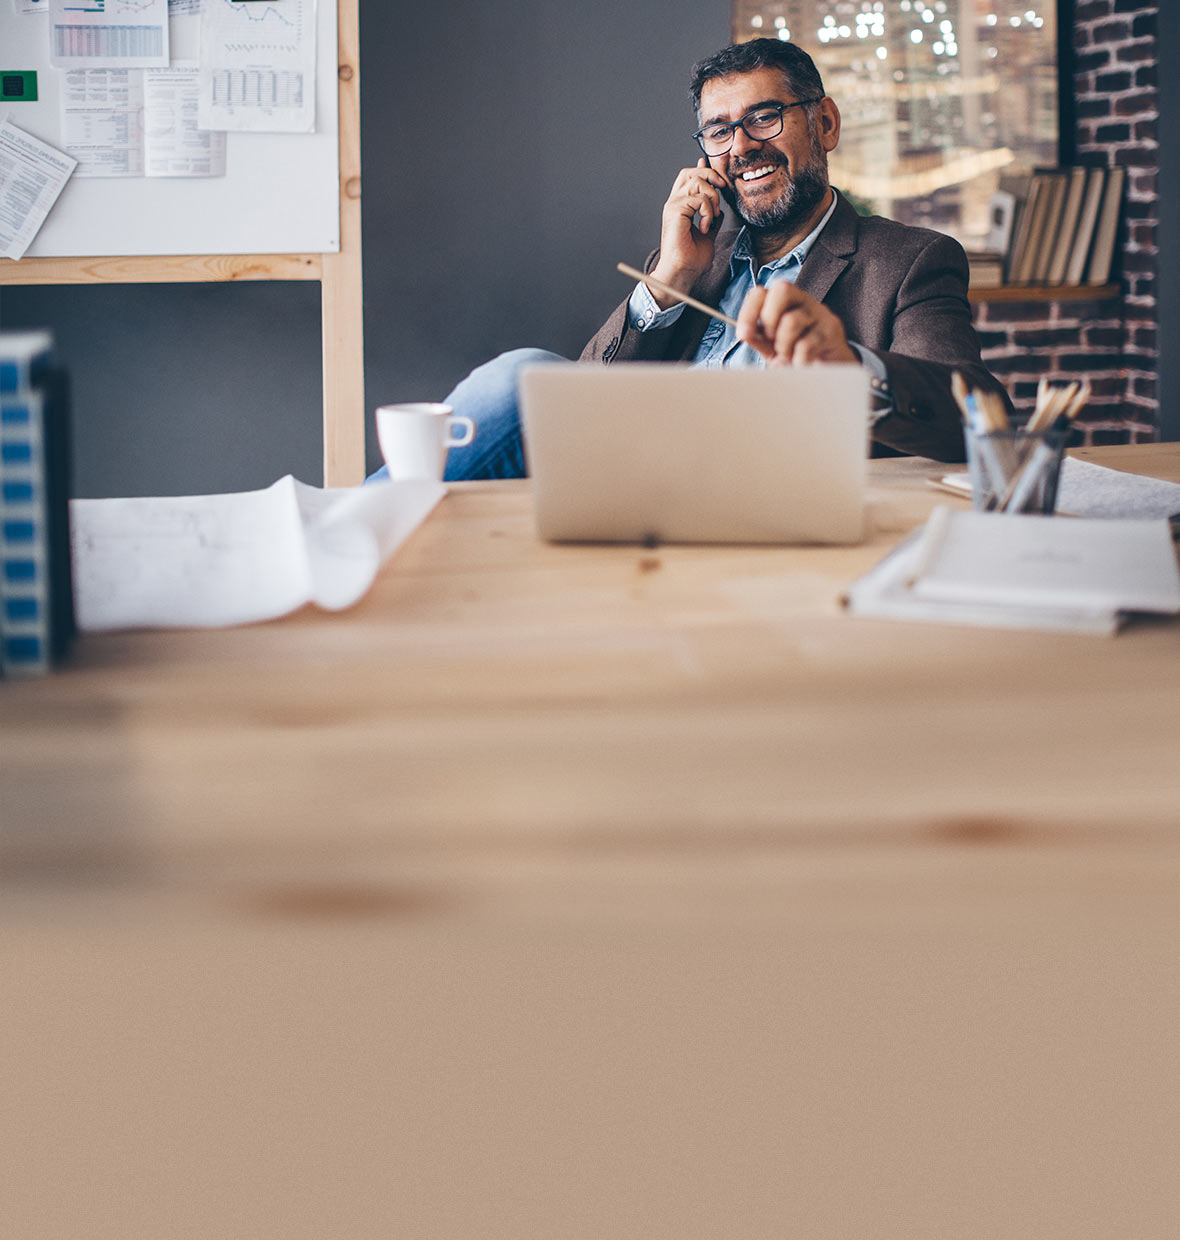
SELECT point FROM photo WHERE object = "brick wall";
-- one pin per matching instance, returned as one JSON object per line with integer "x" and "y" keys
{"x": 1112, "y": 343}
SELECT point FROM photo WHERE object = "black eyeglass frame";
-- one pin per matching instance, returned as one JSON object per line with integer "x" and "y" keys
{"x": 740, "y": 123}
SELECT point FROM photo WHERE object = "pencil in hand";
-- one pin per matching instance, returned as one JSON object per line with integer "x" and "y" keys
{"x": 667, "y": 289}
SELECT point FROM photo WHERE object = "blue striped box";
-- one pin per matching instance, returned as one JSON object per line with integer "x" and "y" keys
{"x": 36, "y": 579}
{"x": 26, "y": 358}
{"x": 26, "y": 637}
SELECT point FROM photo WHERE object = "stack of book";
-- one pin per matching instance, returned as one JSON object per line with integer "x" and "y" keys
{"x": 986, "y": 268}
{"x": 36, "y": 590}
{"x": 1063, "y": 225}
{"x": 1027, "y": 572}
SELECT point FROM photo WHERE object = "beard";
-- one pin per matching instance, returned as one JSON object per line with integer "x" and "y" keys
{"x": 804, "y": 192}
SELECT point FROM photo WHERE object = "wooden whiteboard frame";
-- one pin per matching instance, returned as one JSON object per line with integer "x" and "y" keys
{"x": 339, "y": 274}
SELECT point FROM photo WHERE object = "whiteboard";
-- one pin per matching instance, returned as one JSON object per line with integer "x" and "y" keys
{"x": 280, "y": 193}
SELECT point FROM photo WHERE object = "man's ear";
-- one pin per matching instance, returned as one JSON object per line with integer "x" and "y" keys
{"x": 829, "y": 123}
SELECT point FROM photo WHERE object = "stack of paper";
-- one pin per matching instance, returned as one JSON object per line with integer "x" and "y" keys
{"x": 1015, "y": 571}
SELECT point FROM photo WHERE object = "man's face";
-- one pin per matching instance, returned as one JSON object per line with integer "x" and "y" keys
{"x": 778, "y": 182}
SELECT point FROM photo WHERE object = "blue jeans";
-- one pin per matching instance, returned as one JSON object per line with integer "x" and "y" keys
{"x": 488, "y": 397}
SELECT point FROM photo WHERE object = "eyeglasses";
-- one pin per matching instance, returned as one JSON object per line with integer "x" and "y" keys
{"x": 758, "y": 125}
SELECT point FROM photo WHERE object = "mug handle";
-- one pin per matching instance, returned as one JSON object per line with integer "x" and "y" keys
{"x": 465, "y": 427}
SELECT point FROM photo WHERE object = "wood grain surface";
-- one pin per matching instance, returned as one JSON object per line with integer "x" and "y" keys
{"x": 596, "y": 891}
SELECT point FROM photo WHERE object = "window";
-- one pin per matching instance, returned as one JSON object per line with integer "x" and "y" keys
{"x": 939, "y": 98}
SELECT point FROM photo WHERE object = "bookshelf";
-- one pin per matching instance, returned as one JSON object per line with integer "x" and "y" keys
{"x": 1046, "y": 292}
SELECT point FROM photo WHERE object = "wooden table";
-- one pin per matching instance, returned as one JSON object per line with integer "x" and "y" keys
{"x": 596, "y": 892}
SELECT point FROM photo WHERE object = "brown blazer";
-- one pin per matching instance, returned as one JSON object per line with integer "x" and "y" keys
{"x": 900, "y": 291}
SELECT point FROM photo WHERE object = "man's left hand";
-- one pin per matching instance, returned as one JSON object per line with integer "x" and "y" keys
{"x": 789, "y": 327}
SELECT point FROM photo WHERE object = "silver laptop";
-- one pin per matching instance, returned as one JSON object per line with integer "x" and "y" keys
{"x": 656, "y": 452}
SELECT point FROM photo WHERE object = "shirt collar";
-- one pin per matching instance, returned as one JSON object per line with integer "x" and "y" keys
{"x": 743, "y": 250}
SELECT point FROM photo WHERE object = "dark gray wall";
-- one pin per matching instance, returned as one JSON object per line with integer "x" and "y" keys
{"x": 513, "y": 153}
{"x": 185, "y": 389}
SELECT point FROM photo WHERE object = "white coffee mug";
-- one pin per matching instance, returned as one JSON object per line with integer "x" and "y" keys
{"x": 416, "y": 437}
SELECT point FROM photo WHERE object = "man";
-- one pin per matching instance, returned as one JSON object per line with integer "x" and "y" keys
{"x": 808, "y": 280}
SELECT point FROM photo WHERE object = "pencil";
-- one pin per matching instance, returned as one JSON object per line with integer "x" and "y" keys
{"x": 684, "y": 297}
{"x": 959, "y": 391}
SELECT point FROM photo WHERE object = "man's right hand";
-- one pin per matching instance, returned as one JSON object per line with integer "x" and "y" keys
{"x": 686, "y": 241}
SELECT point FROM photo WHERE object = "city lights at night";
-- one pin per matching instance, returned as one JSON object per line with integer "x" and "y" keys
{"x": 938, "y": 97}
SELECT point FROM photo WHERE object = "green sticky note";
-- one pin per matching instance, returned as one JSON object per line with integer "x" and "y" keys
{"x": 19, "y": 86}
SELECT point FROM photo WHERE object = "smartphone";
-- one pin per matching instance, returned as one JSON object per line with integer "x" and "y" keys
{"x": 720, "y": 219}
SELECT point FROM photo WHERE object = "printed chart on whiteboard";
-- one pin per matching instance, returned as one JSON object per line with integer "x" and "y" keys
{"x": 98, "y": 34}
{"x": 258, "y": 65}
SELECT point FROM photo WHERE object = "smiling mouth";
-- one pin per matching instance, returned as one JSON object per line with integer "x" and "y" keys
{"x": 757, "y": 174}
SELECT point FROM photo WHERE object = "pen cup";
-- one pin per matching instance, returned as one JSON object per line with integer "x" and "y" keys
{"x": 1012, "y": 471}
